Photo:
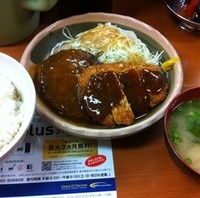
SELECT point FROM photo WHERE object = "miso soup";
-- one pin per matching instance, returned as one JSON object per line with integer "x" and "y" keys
{"x": 184, "y": 132}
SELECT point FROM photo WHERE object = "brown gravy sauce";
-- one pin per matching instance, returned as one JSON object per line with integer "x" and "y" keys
{"x": 138, "y": 87}
{"x": 103, "y": 92}
{"x": 56, "y": 80}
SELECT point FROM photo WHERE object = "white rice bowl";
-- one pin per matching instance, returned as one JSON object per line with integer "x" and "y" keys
{"x": 11, "y": 111}
{"x": 17, "y": 104}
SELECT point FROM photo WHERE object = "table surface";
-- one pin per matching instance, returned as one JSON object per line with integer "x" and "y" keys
{"x": 143, "y": 166}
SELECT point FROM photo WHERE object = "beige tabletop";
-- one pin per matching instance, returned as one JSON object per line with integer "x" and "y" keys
{"x": 143, "y": 166}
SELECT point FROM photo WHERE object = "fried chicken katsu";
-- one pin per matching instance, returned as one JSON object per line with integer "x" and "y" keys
{"x": 104, "y": 99}
{"x": 116, "y": 93}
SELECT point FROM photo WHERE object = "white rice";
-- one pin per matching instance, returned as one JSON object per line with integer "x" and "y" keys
{"x": 11, "y": 113}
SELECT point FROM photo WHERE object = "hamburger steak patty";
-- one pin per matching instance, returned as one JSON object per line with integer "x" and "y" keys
{"x": 57, "y": 79}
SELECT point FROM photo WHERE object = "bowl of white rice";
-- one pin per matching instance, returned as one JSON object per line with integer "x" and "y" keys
{"x": 17, "y": 104}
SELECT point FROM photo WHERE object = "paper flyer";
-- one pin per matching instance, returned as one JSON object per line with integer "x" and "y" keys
{"x": 51, "y": 163}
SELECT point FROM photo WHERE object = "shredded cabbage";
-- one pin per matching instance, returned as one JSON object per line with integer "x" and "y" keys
{"x": 111, "y": 44}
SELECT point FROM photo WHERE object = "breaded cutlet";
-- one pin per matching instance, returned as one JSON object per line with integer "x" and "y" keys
{"x": 103, "y": 99}
{"x": 143, "y": 87}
